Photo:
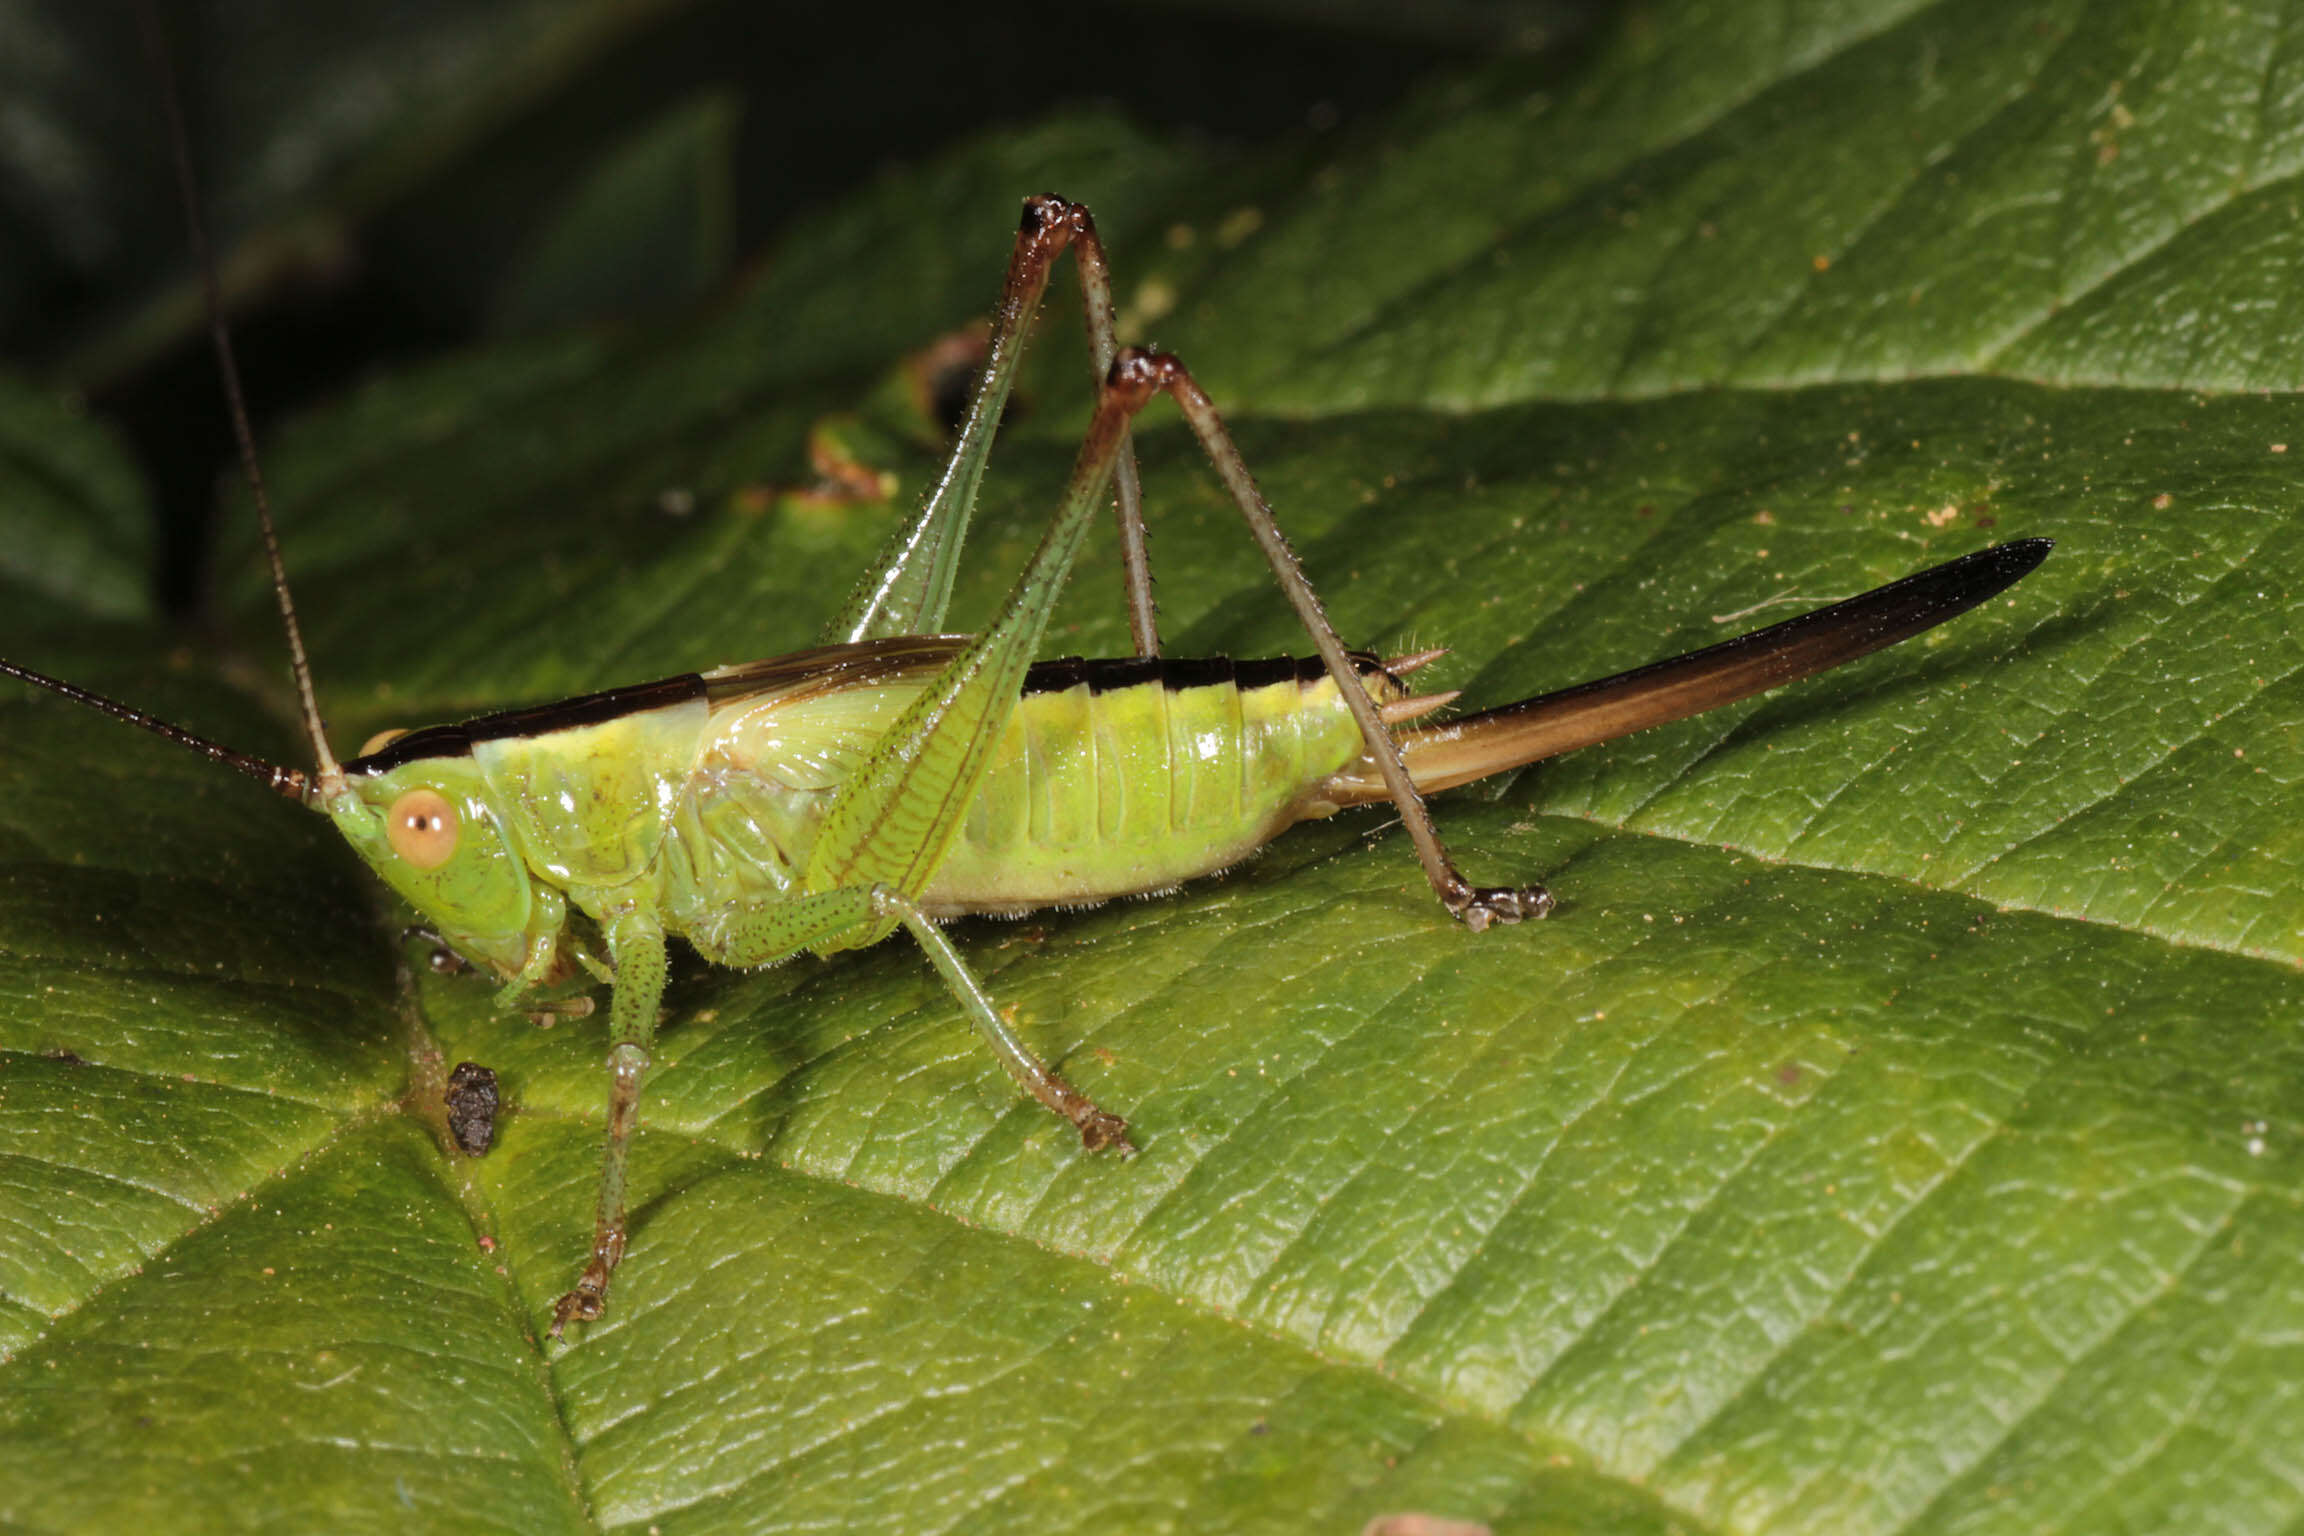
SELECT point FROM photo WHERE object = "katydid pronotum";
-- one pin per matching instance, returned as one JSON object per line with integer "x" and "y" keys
{"x": 894, "y": 776}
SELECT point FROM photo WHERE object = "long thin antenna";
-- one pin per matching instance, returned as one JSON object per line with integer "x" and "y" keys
{"x": 329, "y": 783}
{"x": 286, "y": 781}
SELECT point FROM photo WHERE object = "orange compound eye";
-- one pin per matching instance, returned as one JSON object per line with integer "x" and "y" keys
{"x": 421, "y": 827}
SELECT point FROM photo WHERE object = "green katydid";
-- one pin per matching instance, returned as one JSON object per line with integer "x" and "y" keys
{"x": 894, "y": 776}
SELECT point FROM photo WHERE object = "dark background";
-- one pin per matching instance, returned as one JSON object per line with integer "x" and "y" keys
{"x": 373, "y": 173}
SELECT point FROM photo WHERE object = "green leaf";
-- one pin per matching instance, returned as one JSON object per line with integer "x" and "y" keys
{"x": 73, "y": 513}
{"x": 649, "y": 228}
{"x": 1896, "y": 1129}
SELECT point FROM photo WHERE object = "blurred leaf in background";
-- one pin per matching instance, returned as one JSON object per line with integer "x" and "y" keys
{"x": 1897, "y": 1128}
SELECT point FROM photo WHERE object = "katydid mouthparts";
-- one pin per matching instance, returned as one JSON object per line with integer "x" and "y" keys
{"x": 894, "y": 777}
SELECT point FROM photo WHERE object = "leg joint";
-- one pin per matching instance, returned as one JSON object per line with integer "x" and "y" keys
{"x": 1046, "y": 213}
{"x": 1145, "y": 373}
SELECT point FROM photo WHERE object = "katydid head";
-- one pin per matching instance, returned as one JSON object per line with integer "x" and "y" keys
{"x": 424, "y": 821}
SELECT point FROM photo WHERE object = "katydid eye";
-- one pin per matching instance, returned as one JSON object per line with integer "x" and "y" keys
{"x": 421, "y": 827}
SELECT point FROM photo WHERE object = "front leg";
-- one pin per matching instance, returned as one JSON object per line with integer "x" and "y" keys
{"x": 540, "y": 968}
{"x": 636, "y": 950}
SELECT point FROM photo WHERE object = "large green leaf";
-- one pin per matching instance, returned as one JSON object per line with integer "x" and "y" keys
{"x": 1896, "y": 1130}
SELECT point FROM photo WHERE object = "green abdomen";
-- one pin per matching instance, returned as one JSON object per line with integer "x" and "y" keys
{"x": 1119, "y": 777}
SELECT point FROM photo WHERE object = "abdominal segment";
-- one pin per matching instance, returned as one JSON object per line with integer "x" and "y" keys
{"x": 1114, "y": 778}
